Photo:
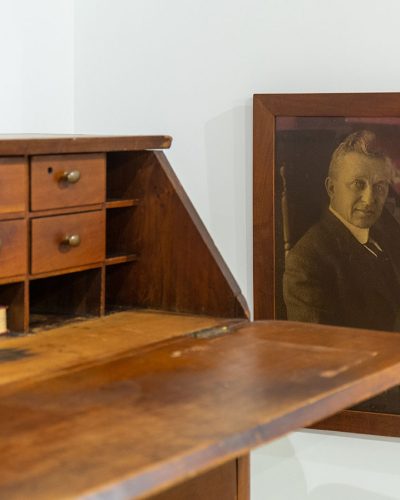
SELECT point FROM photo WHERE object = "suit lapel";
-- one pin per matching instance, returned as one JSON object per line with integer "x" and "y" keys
{"x": 362, "y": 266}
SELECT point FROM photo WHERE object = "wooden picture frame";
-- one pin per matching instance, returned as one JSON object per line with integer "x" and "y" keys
{"x": 269, "y": 192}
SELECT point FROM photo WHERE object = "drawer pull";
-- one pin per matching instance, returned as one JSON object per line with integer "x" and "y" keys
{"x": 72, "y": 240}
{"x": 72, "y": 177}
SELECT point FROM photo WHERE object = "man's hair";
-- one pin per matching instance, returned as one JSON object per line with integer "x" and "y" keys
{"x": 364, "y": 142}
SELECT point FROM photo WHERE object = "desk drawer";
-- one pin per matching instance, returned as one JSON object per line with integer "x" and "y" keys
{"x": 67, "y": 181}
{"x": 13, "y": 185}
{"x": 66, "y": 241}
{"x": 13, "y": 248}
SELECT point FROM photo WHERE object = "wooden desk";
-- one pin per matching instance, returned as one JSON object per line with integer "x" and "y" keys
{"x": 140, "y": 403}
{"x": 151, "y": 417}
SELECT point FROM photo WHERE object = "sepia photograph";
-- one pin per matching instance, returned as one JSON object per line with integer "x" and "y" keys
{"x": 337, "y": 221}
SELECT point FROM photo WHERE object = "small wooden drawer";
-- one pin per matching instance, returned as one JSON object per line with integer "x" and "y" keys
{"x": 13, "y": 248}
{"x": 67, "y": 181}
{"x": 66, "y": 241}
{"x": 13, "y": 185}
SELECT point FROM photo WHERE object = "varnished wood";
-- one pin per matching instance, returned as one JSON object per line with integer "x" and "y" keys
{"x": 148, "y": 419}
{"x": 217, "y": 484}
{"x": 179, "y": 267}
{"x": 59, "y": 272}
{"x": 263, "y": 210}
{"x": 121, "y": 203}
{"x": 123, "y": 281}
{"x": 90, "y": 342}
{"x": 185, "y": 270}
{"x": 49, "y": 254}
{"x": 48, "y": 191}
{"x": 24, "y": 314}
{"x": 13, "y": 185}
{"x": 243, "y": 477}
{"x": 362, "y": 422}
{"x": 26, "y": 144}
{"x": 121, "y": 259}
{"x": 13, "y": 248}
{"x": 366, "y": 104}
{"x": 12, "y": 215}
{"x": 120, "y": 232}
{"x": 66, "y": 210}
{"x": 12, "y": 279}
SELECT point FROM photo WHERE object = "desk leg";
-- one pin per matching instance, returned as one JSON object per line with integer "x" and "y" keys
{"x": 243, "y": 477}
{"x": 220, "y": 483}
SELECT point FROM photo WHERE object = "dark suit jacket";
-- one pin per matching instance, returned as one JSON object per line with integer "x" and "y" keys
{"x": 331, "y": 278}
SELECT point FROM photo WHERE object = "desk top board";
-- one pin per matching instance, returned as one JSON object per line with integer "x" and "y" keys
{"x": 152, "y": 416}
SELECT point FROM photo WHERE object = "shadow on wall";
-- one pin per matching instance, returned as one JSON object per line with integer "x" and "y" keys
{"x": 228, "y": 143}
{"x": 344, "y": 492}
{"x": 277, "y": 473}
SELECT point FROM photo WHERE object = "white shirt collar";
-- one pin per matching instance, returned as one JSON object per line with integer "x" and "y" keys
{"x": 359, "y": 233}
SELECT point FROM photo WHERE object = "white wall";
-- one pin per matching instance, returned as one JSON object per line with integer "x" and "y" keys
{"x": 312, "y": 465}
{"x": 37, "y": 66}
{"x": 189, "y": 69}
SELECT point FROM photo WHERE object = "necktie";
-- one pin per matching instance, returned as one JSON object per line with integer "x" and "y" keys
{"x": 374, "y": 248}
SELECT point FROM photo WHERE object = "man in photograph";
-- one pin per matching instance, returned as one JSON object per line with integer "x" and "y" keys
{"x": 346, "y": 269}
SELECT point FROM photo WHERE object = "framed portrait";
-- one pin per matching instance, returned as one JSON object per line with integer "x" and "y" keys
{"x": 326, "y": 190}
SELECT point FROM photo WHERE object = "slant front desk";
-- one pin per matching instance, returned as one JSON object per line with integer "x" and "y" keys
{"x": 130, "y": 369}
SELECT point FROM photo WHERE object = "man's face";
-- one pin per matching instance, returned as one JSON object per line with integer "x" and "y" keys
{"x": 359, "y": 188}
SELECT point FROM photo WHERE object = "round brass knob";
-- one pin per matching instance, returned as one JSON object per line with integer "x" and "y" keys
{"x": 72, "y": 177}
{"x": 72, "y": 240}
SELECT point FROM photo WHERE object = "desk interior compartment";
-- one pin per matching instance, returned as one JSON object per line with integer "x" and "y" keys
{"x": 122, "y": 170}
{"x": 61, "y": 298}
{"x": 12, "y": 296}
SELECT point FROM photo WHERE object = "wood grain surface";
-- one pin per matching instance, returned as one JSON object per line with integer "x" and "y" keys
{"x": 14, "y": 185}
{"x": 144, "y": 421}
{"x": 13, "y": 248}
{"x": 49, "y": 190}
{"x": 28, "y": 144}
{"x": 38, "y": 356}
{"x": 48, "y": 253}
{"x": 178, "y": 268}
{"x": 362, "y": 422}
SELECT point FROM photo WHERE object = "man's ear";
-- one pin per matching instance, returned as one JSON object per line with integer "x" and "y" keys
{"x": 330, "y": 187}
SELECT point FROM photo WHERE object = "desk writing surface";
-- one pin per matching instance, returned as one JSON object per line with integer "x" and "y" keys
{"x": 149, "y": 418}
{"x": 49, "y": 352}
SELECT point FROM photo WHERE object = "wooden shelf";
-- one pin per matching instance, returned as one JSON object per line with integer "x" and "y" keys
{"x": 59, "y": 272}
{"x": 122, "y": 203}
{"x": 12, "y": 279}
{"x": 120, "y": 259}
{"x": 64, "y": 211}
